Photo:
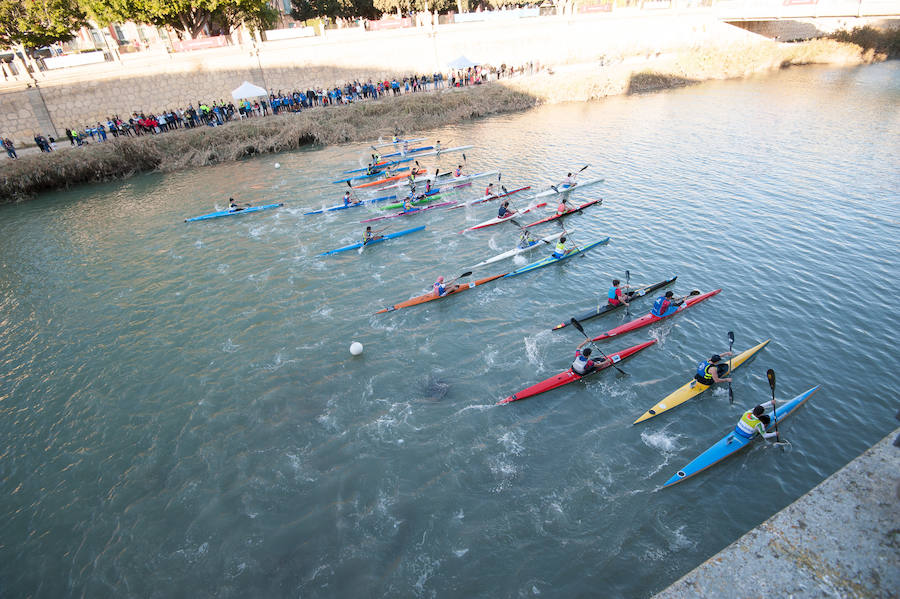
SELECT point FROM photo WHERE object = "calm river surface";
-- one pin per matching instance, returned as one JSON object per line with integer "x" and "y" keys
{"x": 181, "y": 416}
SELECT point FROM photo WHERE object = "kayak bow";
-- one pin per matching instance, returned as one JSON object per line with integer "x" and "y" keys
{"x": 649, "y": 319}
{"x": 359, "y": 244}
{"x": 570, "y": 376}
{"x": 233, "y": 213}
{"x": 692, "y": 388}
{"x": 733, "y": 442}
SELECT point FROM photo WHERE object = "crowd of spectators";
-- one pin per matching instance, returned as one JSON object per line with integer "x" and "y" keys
{"x": 218, "y": 113}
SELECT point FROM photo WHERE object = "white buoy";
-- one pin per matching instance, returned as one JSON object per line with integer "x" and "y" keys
{"x": 356, "y": 348}
{"x": 277, "y": 165}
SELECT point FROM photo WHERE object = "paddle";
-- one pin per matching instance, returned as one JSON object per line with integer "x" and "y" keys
{"x": 730, "y": 345}
{"x": 578, "y": 326}
{"x": 770, "y": 374}
{"x": 627, "y": 286}
{"x": 465, "y": 274}
{"x": 553, "y": 187}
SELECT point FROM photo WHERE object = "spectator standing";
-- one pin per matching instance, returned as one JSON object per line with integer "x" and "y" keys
{"x": 10, "y": 149}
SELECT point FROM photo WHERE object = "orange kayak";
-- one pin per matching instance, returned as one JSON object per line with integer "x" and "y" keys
{"x": 388, "y": 179}
{"x": 431, "y": 296}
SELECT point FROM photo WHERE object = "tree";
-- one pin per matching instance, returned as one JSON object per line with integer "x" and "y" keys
{"x": 407, "y": 6}
{"x": 189, "y": 17}
{"x": 347, "y": 9}
{"x": 34, "y": 23}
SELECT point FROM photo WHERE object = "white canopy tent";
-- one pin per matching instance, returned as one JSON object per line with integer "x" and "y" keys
{"x": 248, "y": 90}
{"x": 462, "y": 63}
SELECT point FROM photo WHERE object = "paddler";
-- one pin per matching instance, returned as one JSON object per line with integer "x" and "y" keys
{"x": 526, "y": 240}
{"x": 409, "y": 201}
{"x": 232, "y": 207}
{"x": 437, "y": 147}
{"x": 666, "y": 304}
{"x": 709, "y": 371}
{"x": 560, "y": 250}
{"x": 505, "y": 211}
{"x": 458, "y": 171}
{"x": 349, "y": 200}
{"x": 570, "y": 181}
{"x": 394, "y": 138}
{"x": 583, "y": 363}
{"x": 489, "y": 191}
{"x": 615, "y": 297}
{"x": 439, "y": 288}
{"x": 756, "y": 421}
{"x": 376, "y": 157}
{"x": 563, "y": 207}
{"x": 370, "y": 235}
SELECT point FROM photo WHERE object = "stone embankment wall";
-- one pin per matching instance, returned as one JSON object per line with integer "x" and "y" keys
{"x": 152, "y": 82}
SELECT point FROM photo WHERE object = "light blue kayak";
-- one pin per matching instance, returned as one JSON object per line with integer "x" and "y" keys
{"x": 379, "y": 167}
{"x": 343, "y": 207}
{"x": 377, "y": 173}
{"x": 359, "y": 244}
{"x": 733, "y": 442}
{"x": 551, "y": 260}
{"x": 408, "y": 152}
{"x": 233, "y": 212}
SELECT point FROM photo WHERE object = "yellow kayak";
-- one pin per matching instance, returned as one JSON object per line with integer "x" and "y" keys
{"x": 693, "y": 388}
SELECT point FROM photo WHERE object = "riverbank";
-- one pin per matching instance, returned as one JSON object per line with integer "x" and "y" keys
{"x": 368, "y": 120}
{"x": 839, "y": 540}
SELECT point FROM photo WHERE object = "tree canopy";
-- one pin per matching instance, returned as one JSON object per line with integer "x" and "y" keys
{"x": 36, "y": 23}
{"x": 347, "y": 9}
{"x": 190, "y": 17}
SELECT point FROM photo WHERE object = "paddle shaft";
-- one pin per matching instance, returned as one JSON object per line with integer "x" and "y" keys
{"x": 578, "y": 326}
{"x": 730, "y": 345}
{"x": 770, "y": 374}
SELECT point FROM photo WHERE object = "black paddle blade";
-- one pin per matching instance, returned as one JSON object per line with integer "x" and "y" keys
{"x": 584, "y": 167}
{"x": 770, "y": 374}
{"x": 506, "y": 191}
{"x": 465, "y": 274}
{"x": 627, "y": 276}
{"x": 464, "y": 157}
{"x": 730, "y": 337}
{"x": 730, "y": 395}
{"x": 577, "y": 325}
{"x": 694, "y": 292}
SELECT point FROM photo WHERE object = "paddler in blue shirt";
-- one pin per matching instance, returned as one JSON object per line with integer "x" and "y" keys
{"x": 439, "y": 288}
{"x": 615, "y": 297}
{"x": 458, "y": 171}
{"x": 505, "y": 211}
{"x": 709, "y": 371}
{"x": 666, "y": 304}
{"x": 349, "y": 200}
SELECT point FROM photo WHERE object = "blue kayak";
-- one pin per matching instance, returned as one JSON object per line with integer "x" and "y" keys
{"x": 233, "y": 212}
{"x": 343, "y": 207}
{"x": 376, "y": 170}
{"x": 359, "y": 244}
{"x": 733, "y": 442}
{"x": 551, "y": 260}
{"x": 408, "y": 152}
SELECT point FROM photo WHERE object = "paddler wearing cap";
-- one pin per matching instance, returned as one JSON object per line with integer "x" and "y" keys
{"x": 440, "y": 290}
{"x": 710, "y": 371}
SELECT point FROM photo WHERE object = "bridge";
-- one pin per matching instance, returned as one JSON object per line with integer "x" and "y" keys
{"x": 774, "y": 10}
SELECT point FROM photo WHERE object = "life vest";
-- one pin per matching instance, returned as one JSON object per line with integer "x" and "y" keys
{"x": 439, "y": 289}
{"x": 560, "y": 248}
{"x": 704, "y": 375}
{"x": 612, "y": 297}
{"x": 746, "y": 426}
{"x": 660, "y": 306}
{"x": 580, "y": 364}
{"x": 457, "y": 172}
{"x": 395, "y": 139}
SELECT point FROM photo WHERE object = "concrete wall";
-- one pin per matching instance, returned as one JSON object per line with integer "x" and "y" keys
{"x": 152, "y": 82}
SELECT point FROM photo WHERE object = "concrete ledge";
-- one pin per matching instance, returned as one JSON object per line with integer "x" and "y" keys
{"x": 842, "y": 539}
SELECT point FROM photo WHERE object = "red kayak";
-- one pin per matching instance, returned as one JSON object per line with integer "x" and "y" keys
{"x": 649, "y": 319}
{"x": 556, "y": 216}
{"x": 570, "y": 376}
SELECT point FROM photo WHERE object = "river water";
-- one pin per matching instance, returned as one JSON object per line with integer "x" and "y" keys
{"x": 181, "y": 416}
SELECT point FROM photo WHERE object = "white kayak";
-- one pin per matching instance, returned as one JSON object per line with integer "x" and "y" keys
{"x": 516, "y": 251}
{"x": 567, "y": 188}
{"x": 384, "y": 144}
{"x": 497, "y": 219}
{"x": 445, "y": 179}
{"x": 443, "y": 151}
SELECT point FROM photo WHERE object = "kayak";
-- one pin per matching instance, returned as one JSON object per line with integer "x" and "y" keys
{"x": 399, "y": 141}
{"x": 600, "y": 310}
{"x": 570, "y": 376}
{"x": 431, "y": 296}
{"x": 553, "y": 217}
{"x": 692, "y": 388}
{"x": 378, "y": 169}
{"x": 649, "y": 319}
{"x": 444, "y": 151}
{"x": 388, "y": 180}
{"x": 551, "y": 260}
{"x": 423, "y": 198}
{"x": 516, "y": 251}
{"x": 490, "y": 198}
{"x": 567, "y": 188}
{"x": 733, "y": 442}
{"x": 499, "y": 219}
{"x": 408, "y": 152}
{"x": 341, "y": 206}
{"x": 444, "y": 178}
{"x": 233, "y": 213}
{"x": 359, "y": 244}
{"x": 406, "y": 212}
